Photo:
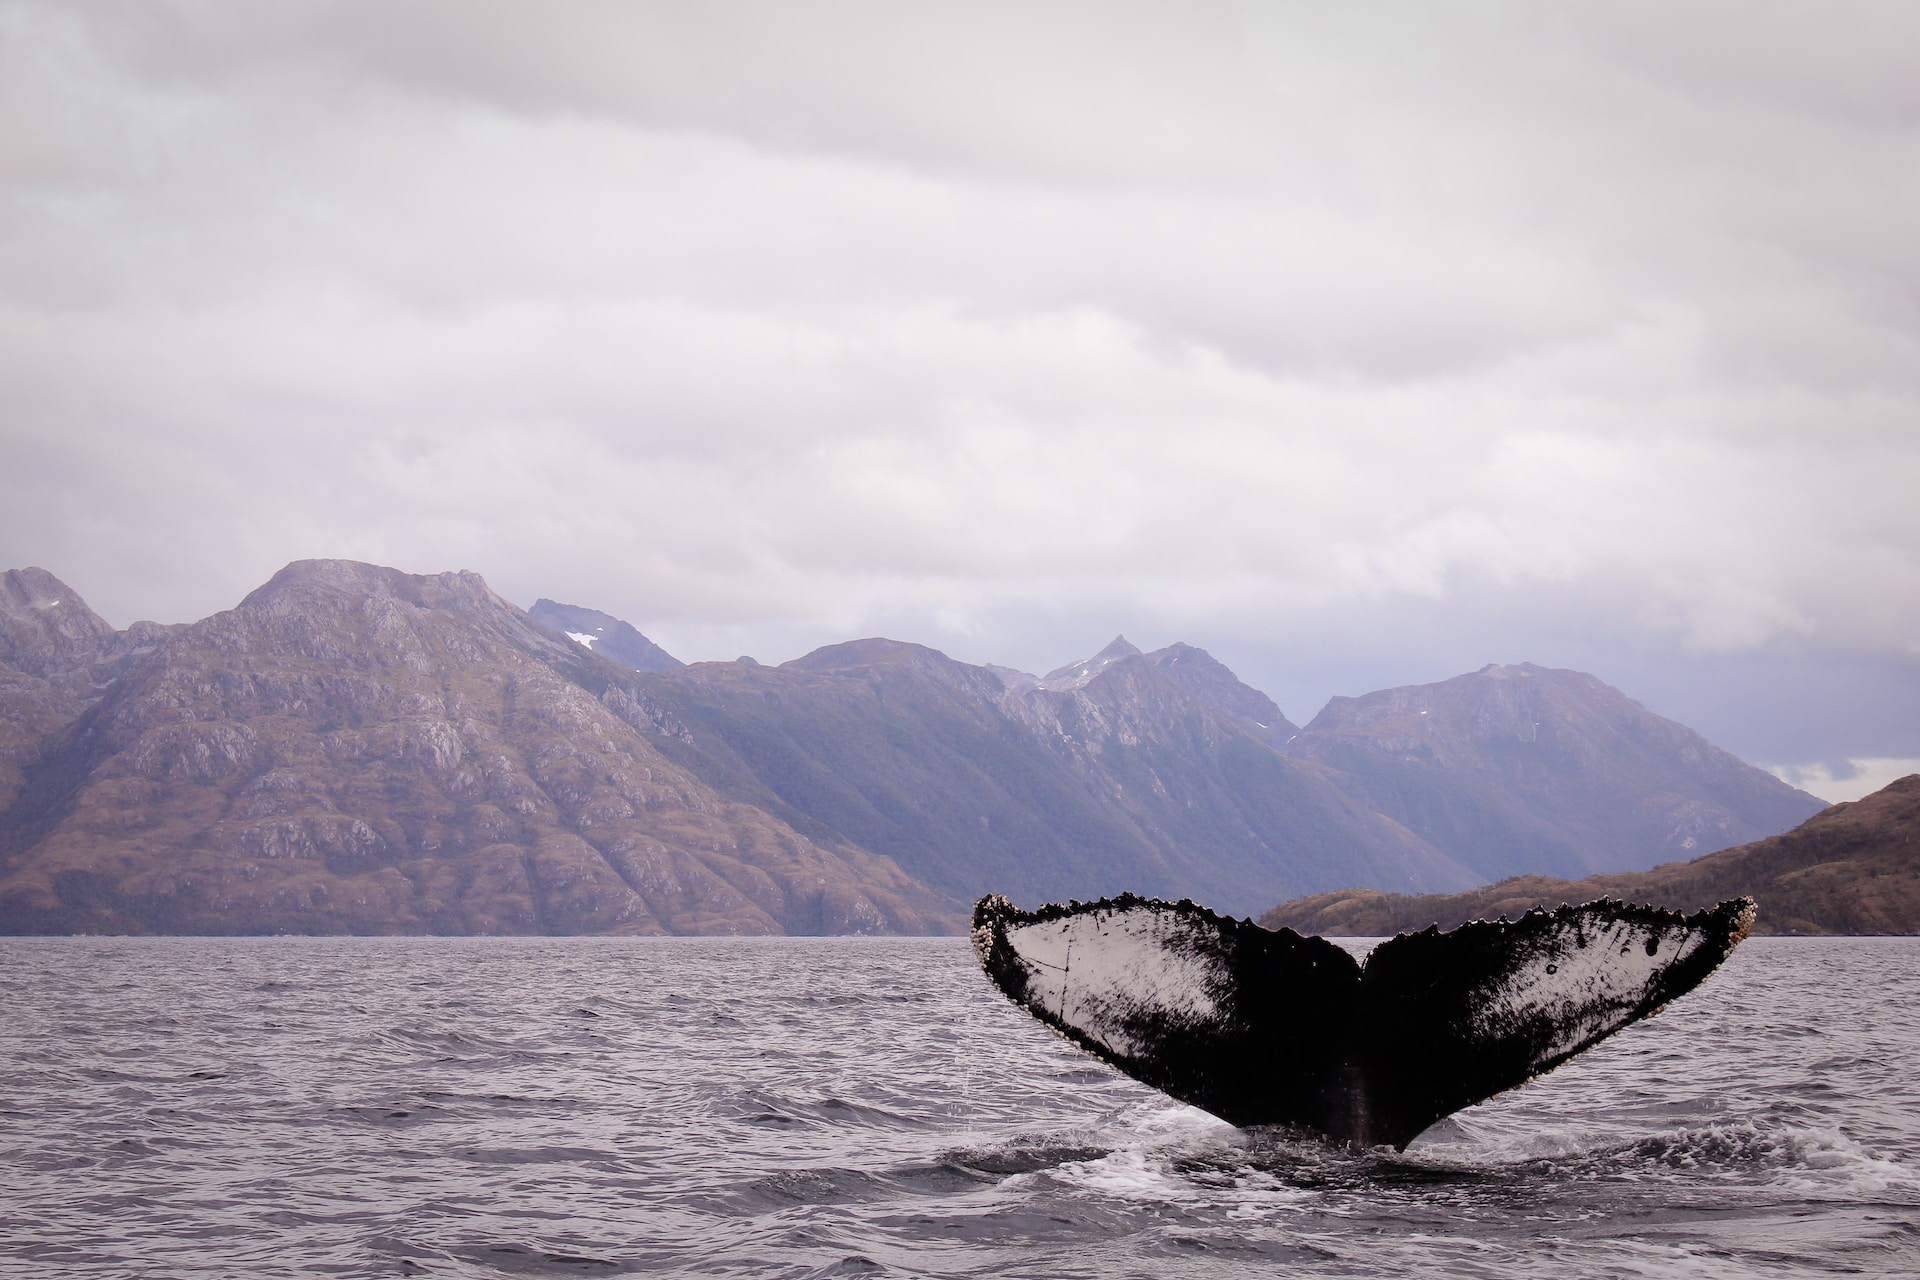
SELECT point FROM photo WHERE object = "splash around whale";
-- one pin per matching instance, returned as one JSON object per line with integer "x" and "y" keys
{"x": 1271, "y": 1028}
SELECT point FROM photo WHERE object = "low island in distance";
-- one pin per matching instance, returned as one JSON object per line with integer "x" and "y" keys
{"x": 1851, "y": 869}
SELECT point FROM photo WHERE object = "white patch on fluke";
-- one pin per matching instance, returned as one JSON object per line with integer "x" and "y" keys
{"x": 1584, "y": 991}
{"x": 1102, "y": 971}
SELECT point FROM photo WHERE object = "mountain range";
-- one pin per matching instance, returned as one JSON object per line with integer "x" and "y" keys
{"x": 353, "y": 749}
{"x": 356, "y": 749}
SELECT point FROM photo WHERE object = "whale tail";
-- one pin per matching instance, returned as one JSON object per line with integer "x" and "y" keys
{"x": 1272, "y": 1028}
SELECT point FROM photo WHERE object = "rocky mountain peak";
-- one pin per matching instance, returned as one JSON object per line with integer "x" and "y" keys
{"x": 902, "y": 666}
{"x": 1497, "y": 701}
{"x": 604, "y": 634}
{"x": 306, "y": 580}
{"x": 326, "y": 608}
{"x": 1213, "y": 683}
{"x": 872, "y": 652}
{"x": 46, "y": 629}
{"x": 1128, "y": 696}
{"x": 1076, "y": 674}
{"x": 1013, "y": 680}
{"x": 1522, "y": 766}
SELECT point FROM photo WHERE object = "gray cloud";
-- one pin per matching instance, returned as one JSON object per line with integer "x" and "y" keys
{"x": 1360, "y": 345}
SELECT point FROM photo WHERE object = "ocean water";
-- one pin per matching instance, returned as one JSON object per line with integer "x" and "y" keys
{"x": 853, "y": 1107}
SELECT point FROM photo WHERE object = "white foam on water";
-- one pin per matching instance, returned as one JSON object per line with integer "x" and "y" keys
{"x": 1183, "y": 1156}
{"x": 1818, "y": 1163}
{"x": 1824, "y": 1162}
{"x": 1165, "y": 1173}
{"x": 1128, "y": 1174}
{"x": 1475, "y": 1138}
{"x": 1180, "y": 1122}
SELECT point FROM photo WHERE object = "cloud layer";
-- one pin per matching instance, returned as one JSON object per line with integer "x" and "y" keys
{"x": 1359, "y": 345}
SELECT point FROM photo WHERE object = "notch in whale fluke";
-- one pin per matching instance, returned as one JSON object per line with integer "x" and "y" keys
{"x": 1265, "y": 1028}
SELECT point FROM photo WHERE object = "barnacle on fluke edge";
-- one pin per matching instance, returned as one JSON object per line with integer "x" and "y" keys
{"x": 1265, "y": 1028}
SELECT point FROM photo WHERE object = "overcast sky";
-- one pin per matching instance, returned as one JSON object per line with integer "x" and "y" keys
{"x": 1359, "y": 344}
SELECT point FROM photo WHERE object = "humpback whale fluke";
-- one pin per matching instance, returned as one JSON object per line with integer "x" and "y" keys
{"x": 1266, "y": 1028}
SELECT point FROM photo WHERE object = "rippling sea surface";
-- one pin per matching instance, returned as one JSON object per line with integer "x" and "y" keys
{"x": 827, "y": 1107}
